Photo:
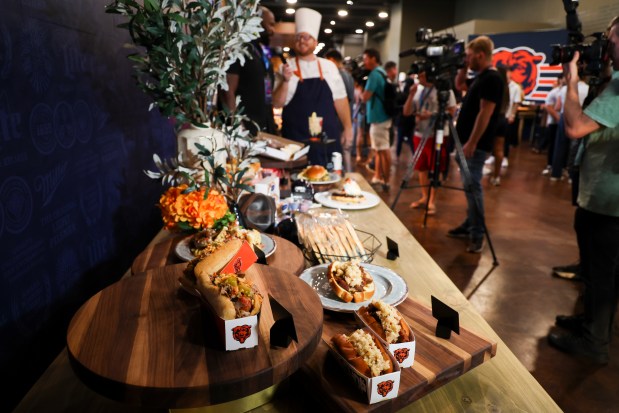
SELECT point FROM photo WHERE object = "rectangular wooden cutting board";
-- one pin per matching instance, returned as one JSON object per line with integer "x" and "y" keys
{"x": 437, "y": 362}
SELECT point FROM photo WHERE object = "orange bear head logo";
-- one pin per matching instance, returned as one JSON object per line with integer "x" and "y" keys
{"x": 241, "y": 333}
{"x": 401, "y": 354}
{"x": 522, "y": 61}
{"x": 385, "y": 387}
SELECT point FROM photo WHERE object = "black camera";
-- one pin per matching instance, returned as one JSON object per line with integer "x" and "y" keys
{"x": 358, "y": 72}
{"x": 592, "y": 55}
{"x": 443, "y": 56}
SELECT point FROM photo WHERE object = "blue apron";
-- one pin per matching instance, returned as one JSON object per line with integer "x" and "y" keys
{"x": 312, "y": 95}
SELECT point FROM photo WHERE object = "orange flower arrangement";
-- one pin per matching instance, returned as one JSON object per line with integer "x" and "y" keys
{"x": 186, "y": 210}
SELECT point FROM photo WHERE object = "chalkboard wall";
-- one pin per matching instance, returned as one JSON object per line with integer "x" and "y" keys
{"x": 75, "y": 206}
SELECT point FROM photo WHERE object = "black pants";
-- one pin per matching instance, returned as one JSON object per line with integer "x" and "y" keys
{"x": 598, "y": 241}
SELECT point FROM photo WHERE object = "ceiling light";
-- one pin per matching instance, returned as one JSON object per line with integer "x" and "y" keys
{"x": 332, "y": 22}
{"x": 291, "y": 1}
{"x": 369, "y": 24}
{"x": 328, "y": 31}
{"x": 290, "y": 11}
{"x": 383, "y": 14}
{"x": 349, "y": 2}
{"x": 342, "y": 13}
{"x": 359, "y": 31}
{"x": 286, "y": 49}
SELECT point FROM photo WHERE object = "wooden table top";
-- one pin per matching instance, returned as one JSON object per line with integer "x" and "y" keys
{"x": 500, "y": 384}
{"x": 144, "y": 341}
{"x": 286, "y": 256}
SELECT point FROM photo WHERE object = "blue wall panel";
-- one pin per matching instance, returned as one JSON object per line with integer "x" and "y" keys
{"x": 75, "y": 207}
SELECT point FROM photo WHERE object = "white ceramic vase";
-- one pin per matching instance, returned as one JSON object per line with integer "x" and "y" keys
{"x": 208, "y": 137}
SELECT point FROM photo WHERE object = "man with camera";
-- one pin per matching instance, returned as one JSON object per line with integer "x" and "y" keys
{"x": 476, "y": 128}
{"x": 597, "y": 216}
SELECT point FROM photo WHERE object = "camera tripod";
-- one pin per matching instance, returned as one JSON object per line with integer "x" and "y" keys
{"x": 437, "y": 123}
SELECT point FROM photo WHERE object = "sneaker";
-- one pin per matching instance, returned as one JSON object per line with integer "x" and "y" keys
{"x": 570, "y": 322}
{"x": 459, "y": 232}
{"x": 475, "y": 246}
{"x": 495, "y": 181}
{"x": 505, "y": 163}
{"x": 487, "y": 170}
{"x": 377, "y": 181}
{"x": 568, "y": 272}
{"x": 577, "y": 345}
{"x": 489, "y": 161}
{"x": 554, "y": 178}
{"x": 547, "y": 170}
{"x": 386, "y": 187}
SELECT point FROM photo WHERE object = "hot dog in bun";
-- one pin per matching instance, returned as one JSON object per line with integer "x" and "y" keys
{"x": 231, "y": 296}
{"x": 350, "y": 281}
{"x": 386, "y": 321}
{"x": 364, "y": 352}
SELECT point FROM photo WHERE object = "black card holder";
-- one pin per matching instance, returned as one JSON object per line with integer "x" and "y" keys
{"x": 448, "y": 319}
{"x": 283, "y": 330}
{"x": 262, "y": 258}
{"x": 393, "y": 251}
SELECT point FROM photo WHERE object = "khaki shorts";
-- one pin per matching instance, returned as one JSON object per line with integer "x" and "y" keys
{"x": 379, "y": 135}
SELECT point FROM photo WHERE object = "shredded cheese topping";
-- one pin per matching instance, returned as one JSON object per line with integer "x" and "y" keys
{"x": 364, "y": 345}
{"x": 390, "y": 320}
{"x": 350, "y": 271}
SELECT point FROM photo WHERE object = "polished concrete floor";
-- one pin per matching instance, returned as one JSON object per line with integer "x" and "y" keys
{"x": 529, "y": 219}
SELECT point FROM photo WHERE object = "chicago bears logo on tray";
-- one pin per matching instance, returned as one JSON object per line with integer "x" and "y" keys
{"x": 401, "y": 354}
{"x": 523, "y": 62}
{"x": 384, "y": 387}
{"x": 241, "y": 333}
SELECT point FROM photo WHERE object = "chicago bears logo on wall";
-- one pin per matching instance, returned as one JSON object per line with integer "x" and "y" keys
{"x": 523, "y": 62}
{"x": 241, "y": 333}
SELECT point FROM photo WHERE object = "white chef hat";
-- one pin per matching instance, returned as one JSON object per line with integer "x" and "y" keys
{"x": 307, "y": 21}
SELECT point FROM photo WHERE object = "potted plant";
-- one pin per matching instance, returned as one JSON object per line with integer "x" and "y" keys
{"x": 183, "y": 49}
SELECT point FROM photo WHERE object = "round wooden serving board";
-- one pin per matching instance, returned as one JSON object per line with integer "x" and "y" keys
{"x": 286, "y": 256}
{"x": 145, "y": 341}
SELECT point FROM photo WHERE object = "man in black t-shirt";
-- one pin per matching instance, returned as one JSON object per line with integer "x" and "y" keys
{"x": 476, "y": 129}
{"x": 253, "y": 81}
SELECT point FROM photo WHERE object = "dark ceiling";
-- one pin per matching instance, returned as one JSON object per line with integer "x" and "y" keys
{"x": 359, "y": 13}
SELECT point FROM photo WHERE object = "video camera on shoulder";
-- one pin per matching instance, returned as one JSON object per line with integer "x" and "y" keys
{"x": 593, "y": 56}
{"x": 443, "y": 56}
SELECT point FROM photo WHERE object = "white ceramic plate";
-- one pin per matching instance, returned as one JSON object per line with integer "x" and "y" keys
{"x": 183, "y": 251}
{"x": 333, "y": 178}
{"x": 325, "y": 199}
{"x": 390, "y": 287}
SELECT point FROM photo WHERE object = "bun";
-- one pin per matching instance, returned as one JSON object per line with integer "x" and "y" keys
{"x": 231, "y": 296}
{"x": 218, "y": 259}
{"x": 314, "y": 173}
{"x": 386, "y": 321}
{"x": 350, "y": 282}
{"x": 364, "y": 352}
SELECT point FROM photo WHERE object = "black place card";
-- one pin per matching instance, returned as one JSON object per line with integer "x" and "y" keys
{"x": 448, "y": 319}
{"x": 262, "y": 259}
{"x": 283, "y": 330}
{"x": 393, "y": 251}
